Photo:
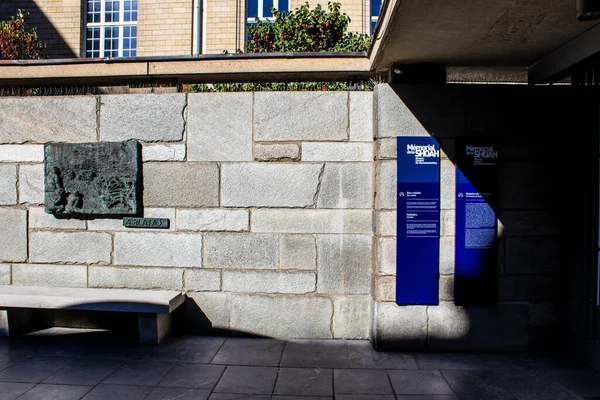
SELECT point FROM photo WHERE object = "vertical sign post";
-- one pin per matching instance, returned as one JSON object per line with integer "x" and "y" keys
{"x": 476, "y": 223}
{"x": 418, "y": 210}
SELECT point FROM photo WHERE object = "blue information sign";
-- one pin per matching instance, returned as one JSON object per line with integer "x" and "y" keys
{"x": 476, "y": 223}
{"x": 417, "y": 246}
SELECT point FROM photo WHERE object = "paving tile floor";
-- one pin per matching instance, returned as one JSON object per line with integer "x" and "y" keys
{"x": 63, "y": 364}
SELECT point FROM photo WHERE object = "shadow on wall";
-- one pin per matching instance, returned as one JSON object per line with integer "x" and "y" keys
{"x": 545, "y": 137}
{"x": 190, "y": 319}
{"x": 56, "y": 46}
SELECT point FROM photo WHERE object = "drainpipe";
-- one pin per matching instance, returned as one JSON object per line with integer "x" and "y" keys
{"x": 197, "y": 27}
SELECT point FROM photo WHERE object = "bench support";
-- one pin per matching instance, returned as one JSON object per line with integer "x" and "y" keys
{"x": 153, "y": 328}
{"x": 36, "y": 307}
{"x": 18, "y": 321}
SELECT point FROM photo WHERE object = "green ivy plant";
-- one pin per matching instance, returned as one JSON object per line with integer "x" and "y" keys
{"x": 16, "y": 43}
{"x": 303, "y": 30}
{"x": 306, "y": 30}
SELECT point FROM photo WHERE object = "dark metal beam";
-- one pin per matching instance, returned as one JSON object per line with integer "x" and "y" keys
{"x": 557, "y": 65}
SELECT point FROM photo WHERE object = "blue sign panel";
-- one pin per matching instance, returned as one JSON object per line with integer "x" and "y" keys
{"x": 417, "y": 245}
{"x": 476, "y": 223}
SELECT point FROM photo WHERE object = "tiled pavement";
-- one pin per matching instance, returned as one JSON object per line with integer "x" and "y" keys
{"x": 84, "y": 366}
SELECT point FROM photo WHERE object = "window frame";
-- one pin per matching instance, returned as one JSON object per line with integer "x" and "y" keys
{"x": 121, "y": 24}
{"x": 374, "y": 16}
{"x": 260, "y": 7}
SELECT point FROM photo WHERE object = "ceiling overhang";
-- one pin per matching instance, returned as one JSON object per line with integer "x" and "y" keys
{"x": 499, "y": 34}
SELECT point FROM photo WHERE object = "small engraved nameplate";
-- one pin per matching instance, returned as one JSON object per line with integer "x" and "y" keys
{"x": 154, "y": 223}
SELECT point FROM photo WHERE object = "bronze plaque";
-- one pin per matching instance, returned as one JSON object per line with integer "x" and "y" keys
{"x": 93, "y": 178}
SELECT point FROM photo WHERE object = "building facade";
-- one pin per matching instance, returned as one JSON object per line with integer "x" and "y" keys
{"x": 126, "y": 28}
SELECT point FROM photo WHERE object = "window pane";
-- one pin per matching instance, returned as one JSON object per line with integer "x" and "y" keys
{"x": 129, "y": 41}
{"x": 126, "y": 47}
{"x": 111, "y": 11}
{"x": 93, "y": 11}
{"x": 111, "y": 42}
{"x": 284, "y": 5}
{"x": 128, "y": 14}
{"x": 375, "y": 6}
{"x": 109, "y": 27}
{"x": 373, "y": 24}
{"x": 252, "y": 8}
{"x": 93, "y": 17}
{"x": 92, "y": 42}
{"x": 267, "y": 8}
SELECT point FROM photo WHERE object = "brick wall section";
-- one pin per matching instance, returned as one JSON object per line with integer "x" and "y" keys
{"x": 224, "y": 26}
{"x": 165, "y": 27}
{"x": 358, "y": 10}
{"x": 58, "y": 23}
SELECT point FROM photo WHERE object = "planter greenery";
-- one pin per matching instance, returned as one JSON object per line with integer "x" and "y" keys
{"x": 302, "y": 30}
{"x": 305, "y": 30}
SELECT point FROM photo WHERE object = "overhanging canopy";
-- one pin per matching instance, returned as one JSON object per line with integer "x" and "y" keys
{"x": 512, "y": 34}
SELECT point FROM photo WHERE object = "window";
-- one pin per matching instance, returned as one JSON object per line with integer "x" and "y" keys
{"x": 111, "y": 28}
{"x": 375, "y": 7}
{"x": 262, "y": 9}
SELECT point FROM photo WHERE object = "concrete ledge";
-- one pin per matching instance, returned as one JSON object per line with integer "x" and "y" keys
{"x": 222, "y": 67}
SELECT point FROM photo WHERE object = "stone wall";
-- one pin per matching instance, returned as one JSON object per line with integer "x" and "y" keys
{"x": 269, "y": 196}
{"x": 283, "y": 208}
{"x": 533, "y": 263}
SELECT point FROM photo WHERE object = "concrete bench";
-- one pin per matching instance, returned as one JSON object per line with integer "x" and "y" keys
{"x": 153, "y": 307}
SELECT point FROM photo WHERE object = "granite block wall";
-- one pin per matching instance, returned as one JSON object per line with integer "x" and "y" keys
{"x": 269, "y": 197}
{"x": 283, "y": 211}
{"x": 530, "y": 278}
